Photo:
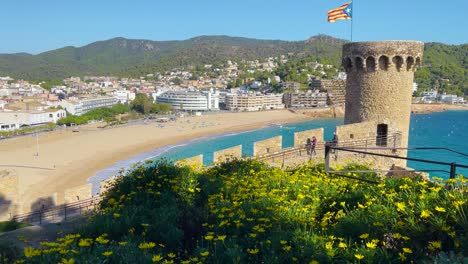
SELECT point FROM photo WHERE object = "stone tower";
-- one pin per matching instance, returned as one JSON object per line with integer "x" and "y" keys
{"x": 379, "y": 83}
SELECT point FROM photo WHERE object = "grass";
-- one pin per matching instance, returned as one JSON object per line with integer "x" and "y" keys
{"x": 6, "y": 226}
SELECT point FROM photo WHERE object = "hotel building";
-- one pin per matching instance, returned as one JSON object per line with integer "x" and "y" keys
{"x": 190, "y": 100}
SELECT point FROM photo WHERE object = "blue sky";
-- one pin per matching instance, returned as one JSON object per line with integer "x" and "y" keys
{"x": 35, "y": 26}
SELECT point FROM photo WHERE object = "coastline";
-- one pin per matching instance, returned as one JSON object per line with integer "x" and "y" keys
{"x": 431, "y": 108}
{"x": 68, "y": 159}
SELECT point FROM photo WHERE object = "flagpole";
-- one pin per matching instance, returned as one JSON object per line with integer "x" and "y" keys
{"x": 352, "y": 19}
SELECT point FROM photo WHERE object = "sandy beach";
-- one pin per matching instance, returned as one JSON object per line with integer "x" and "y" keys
{"x": 67, "y": 159}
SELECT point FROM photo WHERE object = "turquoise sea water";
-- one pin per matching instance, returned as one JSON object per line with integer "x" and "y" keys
{"x": 444, "y": 129}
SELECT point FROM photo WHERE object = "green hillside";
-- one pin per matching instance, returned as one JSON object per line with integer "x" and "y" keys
{"x": 445, "y": 66}
{"x": 130, "y": 57}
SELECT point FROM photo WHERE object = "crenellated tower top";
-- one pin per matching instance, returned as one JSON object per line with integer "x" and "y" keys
{"x": 382, "y": 56}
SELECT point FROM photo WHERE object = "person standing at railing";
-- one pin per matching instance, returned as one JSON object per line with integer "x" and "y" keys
{"x": 308, "y": 146}
{"x": 314, "y": 144}
{"x": 334, "y": 143}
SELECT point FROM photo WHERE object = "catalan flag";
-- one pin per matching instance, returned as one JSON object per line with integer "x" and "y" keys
{"x": 343, "y": 12}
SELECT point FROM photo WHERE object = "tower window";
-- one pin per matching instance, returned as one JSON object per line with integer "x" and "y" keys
{"x": 383, "y": 63}
{"x": 409, "y": 63}
{"x": 370, "y": 63}
{"x": 359, "y": 63}
{"x": 398, "y": 61}
{"x": 348, "y": 64}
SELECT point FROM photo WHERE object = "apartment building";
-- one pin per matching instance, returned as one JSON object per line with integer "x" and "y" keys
{"x": 254, "y": 102}
{"x": 305, "y": 99}
{"x": 81, "y": 106}
{"x": 190, "y": 100}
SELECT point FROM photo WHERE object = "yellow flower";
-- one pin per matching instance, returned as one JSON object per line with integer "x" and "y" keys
{"x": 314, "y": 262}
{"x": 171, "y": 255}
{"x": 371, "y": 245}
{"x": 252, "y": 235}
{"x": 209, "y": 238}
{"x": 30, "y": 252}
{"x": 156, "y": 258}
{"x": 101, "y": 240}
{"x": 440, "y": 209}
{"x": 287, "y": 248}
{"x": 85, "y": 242}
{"x": 358, "y": 256}
{"x": 221, "y": 237}
{"x": 401, "y": 206}
{"x": 146, "y": 245}
{"x": 123, "y": 243}
{"x": 116, "y": 215}
{"x": 107, "y": 253}
{"x": 205, "y": 254}
{"x": 425, "y": 214}
{"x": 342, "y": 245}
{"x": 402, "y": 256}
{"x": 69, "y": 261}
{"x": 283, "y": 242}
{"x": 364, "y": 236}
{"x": 407, "y": 250}
{"x": 434, "y": 245}
{"x": 253, "y": 251}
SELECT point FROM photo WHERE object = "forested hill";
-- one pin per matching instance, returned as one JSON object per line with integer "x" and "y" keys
{"x": 120, "y": 56}
{"x": 444, "y": 66}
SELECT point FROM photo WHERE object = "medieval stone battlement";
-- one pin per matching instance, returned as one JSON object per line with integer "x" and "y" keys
{"x": 369, "y": 57}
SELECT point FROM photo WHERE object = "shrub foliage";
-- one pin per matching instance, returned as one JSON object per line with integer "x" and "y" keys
{"x": 244, "y": 211}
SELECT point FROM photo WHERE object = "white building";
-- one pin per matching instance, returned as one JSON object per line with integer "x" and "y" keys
{"x": 254, "y": 102}
{"x": 451, "y": 99}
{"x": 124, "y": 96}
{"x": 190, "y": 100}
{"x": 10, "y": 120}
{"x": 79, "y": 107}
{"x": 429, "y": 96}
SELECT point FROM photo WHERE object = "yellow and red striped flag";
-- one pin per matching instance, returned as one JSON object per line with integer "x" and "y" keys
{"x": 343, "y": 12}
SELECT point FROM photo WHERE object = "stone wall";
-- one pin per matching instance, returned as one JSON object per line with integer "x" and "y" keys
{"x": 8, "y": 194}
{"x": 300, "y": 138}
{"x": 376, "y": 163}
{"x": 226, "y": 154}
{"x": 268, "y": 146}
{"x": 106, "y": 185}
{"x": 78, "y": 193}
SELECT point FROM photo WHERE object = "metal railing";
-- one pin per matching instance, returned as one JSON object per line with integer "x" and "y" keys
{"x": 359, "y": 150}
{"x": 393, "y": 140}
{"x": 60, "y": 213}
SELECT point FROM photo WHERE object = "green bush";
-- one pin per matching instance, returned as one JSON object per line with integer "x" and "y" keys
{"x": 244, "y": 211}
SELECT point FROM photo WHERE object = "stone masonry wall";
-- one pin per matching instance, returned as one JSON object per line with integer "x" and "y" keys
{"x": 78, "y": 193}
{"x": 226, "y": 154}
{"x": 300, "y": 138}
{"x": 8, "y": 194}
{"x": 379, "y": 81}
{"x": 268, "y": 145}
